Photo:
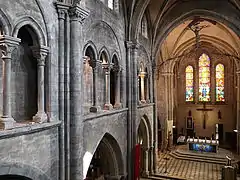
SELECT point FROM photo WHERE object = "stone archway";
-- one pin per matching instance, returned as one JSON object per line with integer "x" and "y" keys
{"x": 24, "y": 74}
{"x": 107, "y": 160}
{"x": 144, "y": 139}
{"x": 14, "y": 177}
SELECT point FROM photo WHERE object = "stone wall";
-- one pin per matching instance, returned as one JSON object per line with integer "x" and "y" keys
{"x": 31, "y": 151}
{"x": 113, "y": 123}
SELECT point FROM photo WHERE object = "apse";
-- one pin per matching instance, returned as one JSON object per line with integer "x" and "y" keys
{"x": 197, "y": 73}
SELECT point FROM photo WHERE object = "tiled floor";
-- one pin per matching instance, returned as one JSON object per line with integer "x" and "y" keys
{"x": 188, "y": 169}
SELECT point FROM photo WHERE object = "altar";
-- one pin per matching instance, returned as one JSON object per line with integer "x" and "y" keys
{"x": 203, "y": 145}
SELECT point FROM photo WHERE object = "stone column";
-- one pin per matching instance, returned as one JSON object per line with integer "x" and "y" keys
{"x": 77, "y": 17}
{"x": 7, "y": 45}
{"x": 117, "y": 89}
{"x": 147, "y": 88}
{"x": 151, "y": 151}
{"x": 96, "y": 107}
{"x": 146, "y": 171}
{"x": 155, "y": 118}
{"x": 238, "y": 111}
{"x": 40, "y": 54}
{"x": 62, "y": 12}
{"x": 132, "y": 103}
{"x": 142, "y": 77}
{"x": 108, "y": 105}
{"x": 168, "y": 83}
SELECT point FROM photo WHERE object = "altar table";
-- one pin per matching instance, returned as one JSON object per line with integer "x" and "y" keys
{"x": 203, "y": 145}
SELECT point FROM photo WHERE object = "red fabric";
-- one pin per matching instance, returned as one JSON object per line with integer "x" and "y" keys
{"x": 137, "y": 162}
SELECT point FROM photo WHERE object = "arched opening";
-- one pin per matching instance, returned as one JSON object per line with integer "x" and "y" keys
{"x": 107, "y": 160}
{"x": 144, "y": 139}
{"x": 115, "y": 82}
{"x": 107, "y": 80}
{"x": 1, "y": 29}
{"x": 24, "y": 76}
{"x": 13, "y": 177}
{"x": 88, "y": 76}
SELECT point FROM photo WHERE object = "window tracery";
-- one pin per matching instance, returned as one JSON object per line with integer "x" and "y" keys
{"x": 204, "y": 78}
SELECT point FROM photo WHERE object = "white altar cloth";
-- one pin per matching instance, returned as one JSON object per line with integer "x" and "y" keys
{"x": 202, "y": 141}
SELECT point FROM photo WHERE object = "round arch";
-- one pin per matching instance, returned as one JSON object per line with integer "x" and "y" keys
{"x": 41, "y": 37}
{"x": 5, "y": 23}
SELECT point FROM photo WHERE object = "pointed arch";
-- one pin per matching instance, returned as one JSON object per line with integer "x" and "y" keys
{"x": 104, "y": 53}
{"x": 109, "y": 148}
{"x": 93, "y": 48}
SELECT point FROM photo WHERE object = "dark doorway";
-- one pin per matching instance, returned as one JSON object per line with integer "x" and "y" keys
{"x": 13, "y": 177}
{"x": 112, "y": 87}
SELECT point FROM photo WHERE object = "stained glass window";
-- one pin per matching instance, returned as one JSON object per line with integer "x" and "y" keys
{"x": 189, "y": 83}
{"x": 204, "y": 78}
{"x": 220, "y": 82}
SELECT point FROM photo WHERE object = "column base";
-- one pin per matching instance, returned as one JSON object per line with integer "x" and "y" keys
{"x": 143, "y": 101}
{"x": 7, "y": 123}
{"x": 40, "y": 117}
{"x": 145, "y": 173}
{"x": 117, "y": 105}
{"x": 108, "y": 107}
{"x": 95, "y": 109}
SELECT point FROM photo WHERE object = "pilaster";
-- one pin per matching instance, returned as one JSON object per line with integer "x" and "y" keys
{"x": 238, "y": 111}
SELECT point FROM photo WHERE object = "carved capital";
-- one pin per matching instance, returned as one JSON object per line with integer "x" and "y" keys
{"x": 7, "y": 45}
{"x": 62, "y": 9}
{"x": 62, "y": 13}
{"x": 77, "y": 13}
{"x": 131, "y": 45}
{"x": 107, "y": 67}
{"x": 40, "y": 53}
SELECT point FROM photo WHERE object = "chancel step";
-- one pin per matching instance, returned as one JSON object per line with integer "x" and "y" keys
{"x": 217, "y": 158}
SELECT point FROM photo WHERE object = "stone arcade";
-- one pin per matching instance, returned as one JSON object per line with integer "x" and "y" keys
{"x": 85, "y": 82}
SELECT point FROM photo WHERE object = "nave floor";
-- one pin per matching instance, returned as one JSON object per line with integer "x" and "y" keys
{"x": 188, "y": 169}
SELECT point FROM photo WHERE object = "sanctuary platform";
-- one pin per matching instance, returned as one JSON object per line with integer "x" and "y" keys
{"x": 203, "y": 145}
{"x": 182, "y": 152}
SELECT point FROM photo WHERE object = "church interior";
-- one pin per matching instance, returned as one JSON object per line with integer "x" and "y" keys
{"x": 119, "y": 89}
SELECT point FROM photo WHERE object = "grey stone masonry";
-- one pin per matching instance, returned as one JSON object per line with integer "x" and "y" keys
{"x": 7, "y": 45}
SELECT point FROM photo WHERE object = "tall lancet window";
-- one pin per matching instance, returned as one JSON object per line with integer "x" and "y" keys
{"x": 110, "y": 4}
{"x": 189, "y": 83}
{"x": 220, "y": 83}
{"x": 204, "y": 78}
